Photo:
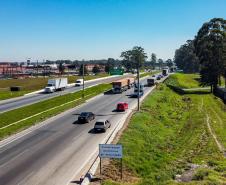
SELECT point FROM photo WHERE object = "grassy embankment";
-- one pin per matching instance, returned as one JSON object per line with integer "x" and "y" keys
{"x": 33, "y": 84}
{"x": 56, "y": 106}
{"x": 148, "y": 74}
{"x": 169, "y": 134}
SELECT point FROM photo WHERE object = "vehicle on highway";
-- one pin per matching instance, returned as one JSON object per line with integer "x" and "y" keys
{"x": 130, "y": 82}
{"x": 153, "y": 75}
{"x": 102, "y": 125}
{"x": 136, "y": 93}
{"x": 122, "y": 85}
{"x": 122, "y": 106}
{"x": 55, "y": 85}
{"x": 159, "y": 77}
{"x": 79, "y": 82}
{"x": 151, "y": 81}
{"x": 86, "y": 117}
{"x": 165, "y": 71}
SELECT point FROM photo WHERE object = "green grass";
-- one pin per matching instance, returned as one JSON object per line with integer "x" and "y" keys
{"x": 148, "y": 74}
{"x": 14, "y": 115}
{"x": 185, "y": 80}
{"x": 169, "y": 132}
{"x": 33, "y": 84}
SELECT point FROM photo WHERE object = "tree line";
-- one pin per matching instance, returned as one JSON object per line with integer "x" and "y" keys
{"x": 206, "y": 53}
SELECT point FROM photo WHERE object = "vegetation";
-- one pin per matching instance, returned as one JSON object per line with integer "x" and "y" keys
{"x": 206, "y": 54}
{"x": 170, "y": 135}
{"x": 33, "y": 84}
{"x": 153, "y": 60}
{"x": 184, "y": 81}
{"x": 209, "y": 48}
{"x": 81, "y": 70}
{"x": 61, "y": 103}
{"x": 132, "y": 59}
{"x": 186, "y": 59}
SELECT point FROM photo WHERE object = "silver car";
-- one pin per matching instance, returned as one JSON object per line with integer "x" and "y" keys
{"x": 102, "y": 125}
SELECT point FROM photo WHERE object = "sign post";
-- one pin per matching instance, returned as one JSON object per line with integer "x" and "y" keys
{"x": 110, "y": 151}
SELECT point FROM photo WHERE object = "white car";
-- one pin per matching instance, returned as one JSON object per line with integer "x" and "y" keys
{"x": 79, "y": 82}
{"x": 102, "y": 125}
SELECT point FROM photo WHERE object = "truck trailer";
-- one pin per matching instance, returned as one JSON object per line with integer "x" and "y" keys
{"x": 120, "y": 85}
{"x": 56, "y": 84}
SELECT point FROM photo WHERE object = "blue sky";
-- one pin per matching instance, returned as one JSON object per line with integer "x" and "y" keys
{"x": 97, "y": 29}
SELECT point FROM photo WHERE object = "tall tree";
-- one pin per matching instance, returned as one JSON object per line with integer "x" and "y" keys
{"x": 61, "y": 68}
{"x": 169, "y": 63}
{"x": 110, "y": 64}
{"x": 209, "y": 48}
{"x": 96, "y": 69}
{"x": 153, "y": 60}
{"x": 134, "y": 58}
{"x": 186, "y": 59}
{"x": 160, "y": 62}
{"x": 81, "y": 70}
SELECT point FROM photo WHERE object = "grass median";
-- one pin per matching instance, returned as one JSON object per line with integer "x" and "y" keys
{"x": 168, "y": 141}
{"x": 37, "y": 112}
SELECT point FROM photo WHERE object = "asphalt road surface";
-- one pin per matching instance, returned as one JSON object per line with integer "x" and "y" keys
{"x": 55, "y": 153}
{"x": 30, "y": 99}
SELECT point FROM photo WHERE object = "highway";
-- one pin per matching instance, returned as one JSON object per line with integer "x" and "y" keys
{"x": 57, "y": 151}
{"x": 14, "y": 103}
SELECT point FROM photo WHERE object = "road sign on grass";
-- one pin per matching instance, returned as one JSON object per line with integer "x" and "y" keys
{"x": 110, "y": 151}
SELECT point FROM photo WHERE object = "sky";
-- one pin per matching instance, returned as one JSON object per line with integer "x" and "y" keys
{"x": 99, "y": 29}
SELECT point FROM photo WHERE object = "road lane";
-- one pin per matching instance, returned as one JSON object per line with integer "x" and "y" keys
{"x": 56, "y": 151}
{"x": 18, "y": 102}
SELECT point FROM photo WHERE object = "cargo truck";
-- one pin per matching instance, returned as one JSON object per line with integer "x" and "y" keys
{"x": 120, "y": 85}
{"x": 165, "y": 72}
{"x": 151, "y": 82}
{"x": 56, "y": 84}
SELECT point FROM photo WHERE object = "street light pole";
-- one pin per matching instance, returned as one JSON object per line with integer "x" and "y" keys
{"x": 83, "y": 84}
{"x": 138, "y": 83}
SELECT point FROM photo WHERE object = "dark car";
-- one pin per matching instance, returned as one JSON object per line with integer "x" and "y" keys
{"x": 159, "y": 77}
{"x": 86, "y": 117}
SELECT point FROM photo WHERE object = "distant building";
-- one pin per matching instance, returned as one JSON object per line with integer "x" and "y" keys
{"x": 90, "y": 67}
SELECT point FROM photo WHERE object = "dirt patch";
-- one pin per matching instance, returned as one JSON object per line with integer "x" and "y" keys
{"x": 188, "y": 174}
{"x": 111, "y": 169}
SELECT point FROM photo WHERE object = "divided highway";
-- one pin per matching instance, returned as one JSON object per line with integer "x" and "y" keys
{"x": 14, "y": 103}
{"x": 57, "y": 151}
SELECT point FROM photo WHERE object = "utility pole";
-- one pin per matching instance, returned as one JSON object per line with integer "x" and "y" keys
{"x": 37, "y": 68}
{"x": 138, "y": 83}
{"x": 83, "y": 84}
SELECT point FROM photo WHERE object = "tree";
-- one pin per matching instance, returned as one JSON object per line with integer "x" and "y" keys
{"x": 186, "y": 59}
{"x": 169, "y": 63}
{"x": 153, "y": 60}
{"x": 209, "y": 48}
{"x": 160, "y": 62}
{"x": 110, "y": 64}
{"x": 96, "y": 69}
{"x": 81, "y": 70}
{"x": 61, "y": 68}
{"x": 132, "y": 59}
